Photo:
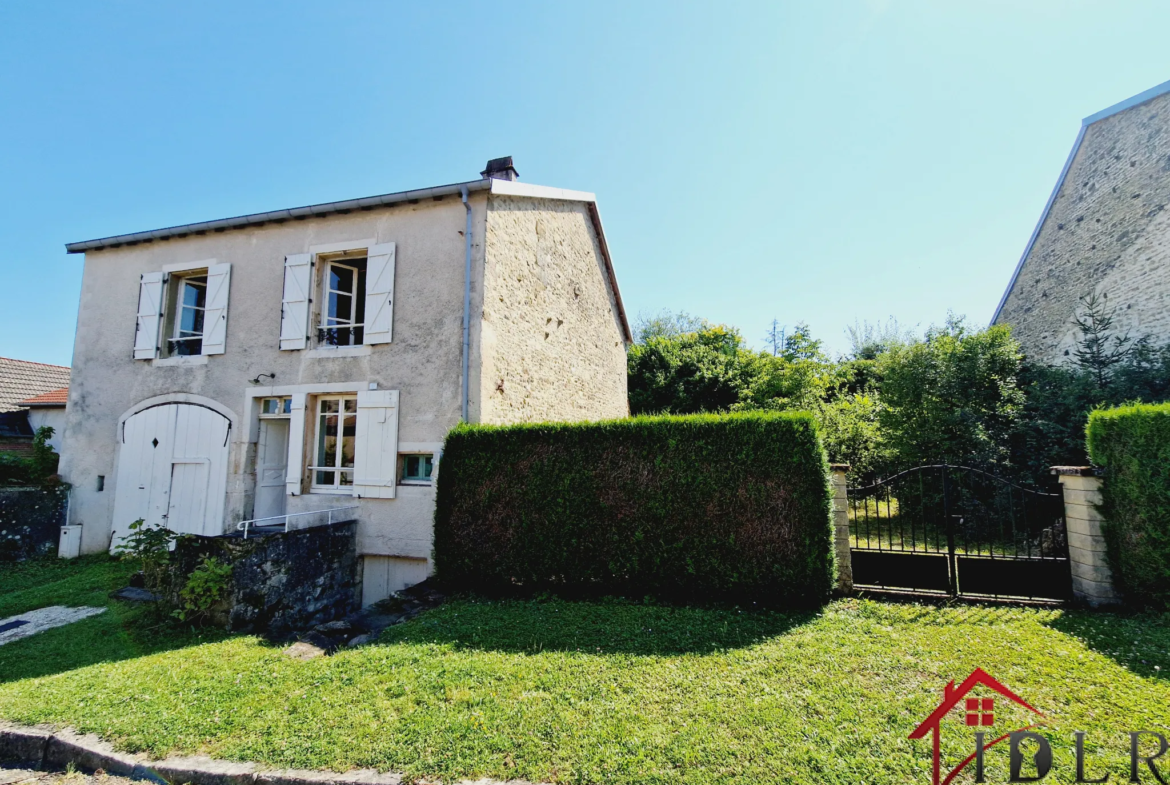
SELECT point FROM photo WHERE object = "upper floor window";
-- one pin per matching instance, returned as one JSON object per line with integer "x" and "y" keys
{"x": 182, "y": 312}
{"x": 343, "y": 310}
{"x": 341, "y": 298}
{"x": 188, "y": 309}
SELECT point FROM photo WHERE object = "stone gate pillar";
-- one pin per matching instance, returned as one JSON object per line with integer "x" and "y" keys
{"x": 1092, "y": 579}
{"x": 841, "y": 527}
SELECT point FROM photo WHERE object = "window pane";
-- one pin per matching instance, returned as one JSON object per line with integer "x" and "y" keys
{"x": 340, "y": 306}
{"x": 195, "y": 292}
{"x": 327, "y": 441}
{"x": 324, "y": 478}
{"x": 346, "y": 478}
{"x": 428, "y": 465}
{"x": 347, "y": 439}
{"x": 329, "y": 405}
{"x": 287, "y": 409}
{"x": 360, "y": 315}
{"x": 270, "y": 406}
{"x": 340, "y": 278}
{"x": 411, "y": 466}
{"x": 190, "y": 322}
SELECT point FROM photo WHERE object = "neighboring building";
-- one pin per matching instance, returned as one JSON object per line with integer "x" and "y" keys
{"x": 48, "y": 409}
{"x": 20, "y": 380}
{"x": 316, "y": 357}
{"x": 1105, "y": 229}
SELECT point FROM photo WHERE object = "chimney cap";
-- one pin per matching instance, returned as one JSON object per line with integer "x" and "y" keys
{"x": 500, "y": 169}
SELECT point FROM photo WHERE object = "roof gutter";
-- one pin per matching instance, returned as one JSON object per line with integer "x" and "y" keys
{"x": 466, "y": 307}
{"x": 279, "y": 216}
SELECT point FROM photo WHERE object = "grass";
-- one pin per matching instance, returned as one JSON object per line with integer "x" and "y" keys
{"x": 614, "y": 692}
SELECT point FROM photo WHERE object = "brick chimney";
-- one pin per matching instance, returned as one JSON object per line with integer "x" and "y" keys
{"x": 500, "y": 169}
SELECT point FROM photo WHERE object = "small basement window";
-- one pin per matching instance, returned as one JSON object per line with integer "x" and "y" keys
{"x": 417, "y": 468}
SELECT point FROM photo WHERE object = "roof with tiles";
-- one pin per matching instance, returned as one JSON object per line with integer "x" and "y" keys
{"x": 21, "y": 380}
{"x": 51, "y": 398}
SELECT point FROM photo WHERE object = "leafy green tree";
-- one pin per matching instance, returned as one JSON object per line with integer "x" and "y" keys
{"x": 953, "y": 397}
{"x": 704, "y": 371}
{"x": 667, "y": 324}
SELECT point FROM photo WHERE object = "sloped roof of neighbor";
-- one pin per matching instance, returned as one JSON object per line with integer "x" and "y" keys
{"x": 21, "y": 380}
{"x": 58, "y": 397}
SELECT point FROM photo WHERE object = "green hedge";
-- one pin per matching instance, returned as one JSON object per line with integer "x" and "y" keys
{"x": 1133, "y": 444}
{"x": 733, "y": 506}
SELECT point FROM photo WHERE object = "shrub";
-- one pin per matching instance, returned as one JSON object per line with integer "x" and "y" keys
{"x": 697, "y": 506}
{"x": 1133, "y": 444}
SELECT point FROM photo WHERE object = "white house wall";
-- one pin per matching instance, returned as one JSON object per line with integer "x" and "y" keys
{"x": 423, "y": 362}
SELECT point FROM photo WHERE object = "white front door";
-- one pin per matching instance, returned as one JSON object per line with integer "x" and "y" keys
{"x": 271, "y": 468}
{"x": 172, "y": 470}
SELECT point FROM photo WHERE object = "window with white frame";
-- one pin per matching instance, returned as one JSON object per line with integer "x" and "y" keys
{"x": 343, "y": 302}
{"x": 183, "y": 312}
{"x": 187, "y": 306}
{"x": 334, "y": 448}
{"x": 276, "y": 407}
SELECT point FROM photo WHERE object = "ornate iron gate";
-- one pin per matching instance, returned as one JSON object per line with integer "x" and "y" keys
{"x": 958, "y": 531}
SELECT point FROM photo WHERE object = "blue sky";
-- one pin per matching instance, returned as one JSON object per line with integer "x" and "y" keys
{"x": 824, "y": 162}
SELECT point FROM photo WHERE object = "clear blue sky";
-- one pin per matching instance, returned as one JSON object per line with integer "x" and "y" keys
{"x": 824, "y": 162}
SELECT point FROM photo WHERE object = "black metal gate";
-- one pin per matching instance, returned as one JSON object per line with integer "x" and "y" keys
{"x": 958, "y": 531}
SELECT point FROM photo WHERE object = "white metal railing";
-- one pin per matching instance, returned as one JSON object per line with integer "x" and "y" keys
{"x": 245, "y": 525}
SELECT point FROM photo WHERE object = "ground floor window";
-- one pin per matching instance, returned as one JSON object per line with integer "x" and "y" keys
{"x": 417, "y": 468}
{"x": 333, "y": 460}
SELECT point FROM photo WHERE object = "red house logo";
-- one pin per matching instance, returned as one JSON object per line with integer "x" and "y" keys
{"x": 978, "y": 713}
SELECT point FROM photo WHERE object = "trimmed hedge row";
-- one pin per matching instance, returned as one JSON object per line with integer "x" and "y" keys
{"x": 733, "y": 506}
{"x": 1133, "y": 444}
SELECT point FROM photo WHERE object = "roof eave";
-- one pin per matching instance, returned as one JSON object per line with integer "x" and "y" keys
{"x": 278, "y": 216}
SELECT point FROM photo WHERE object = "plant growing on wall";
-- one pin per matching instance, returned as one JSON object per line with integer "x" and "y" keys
{"x": 205, "y": 586}
{"x": 151, "y": 546}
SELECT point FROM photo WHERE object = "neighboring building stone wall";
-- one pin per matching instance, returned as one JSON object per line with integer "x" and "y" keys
{"x": 282, "y": 583}
{"x": 551, "y": 339}
{"x": 1107, "y": 232}
{"x": 30, "y": 521}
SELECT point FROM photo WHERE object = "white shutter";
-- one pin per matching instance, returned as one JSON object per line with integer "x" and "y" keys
{"x": 294, "y": 310}
{"x": 150, "y": 299}
{"x": 215, "y": 316}
{"x": 376, "y": 445}
{"x": 379, "y": 293}
{"x": 295, "y": 471}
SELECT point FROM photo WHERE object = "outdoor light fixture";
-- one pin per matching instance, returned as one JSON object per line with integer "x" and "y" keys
{"x": 271, "y": 377}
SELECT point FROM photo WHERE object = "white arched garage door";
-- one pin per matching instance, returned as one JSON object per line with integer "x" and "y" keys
{"x": 172, "y": 469}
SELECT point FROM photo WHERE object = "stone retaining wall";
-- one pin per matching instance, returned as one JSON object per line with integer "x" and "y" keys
{"x": 284, "y": 582}
{"x": 30, "y": 521}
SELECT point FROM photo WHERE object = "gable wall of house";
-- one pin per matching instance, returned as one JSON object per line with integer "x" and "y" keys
{"x": 423, "y": 361}
{"x": 551, "y": 339}
{"x": 1108, "y": 232}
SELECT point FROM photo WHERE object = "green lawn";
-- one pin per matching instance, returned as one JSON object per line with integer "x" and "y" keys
{"x": 592, "y": 691}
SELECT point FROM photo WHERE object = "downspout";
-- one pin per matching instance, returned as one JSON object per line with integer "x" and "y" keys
{"x": 466, "y": 304}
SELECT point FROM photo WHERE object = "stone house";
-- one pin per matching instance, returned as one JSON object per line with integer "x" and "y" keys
{"x": 1105, "y": 230}
{"x": 314, "y": 359}
{"x": 26, "y": 389}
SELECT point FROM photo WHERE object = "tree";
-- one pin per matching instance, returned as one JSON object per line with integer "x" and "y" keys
{"x": 774, "y": 338}
{"x": 701, "y": 371}
{"x": 1099, "y": 350}
{"x": 953, "y": 397}
{"x": 667, "y": 324}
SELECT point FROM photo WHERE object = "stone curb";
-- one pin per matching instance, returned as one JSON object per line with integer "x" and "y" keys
{"x": 38, "y": 747}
